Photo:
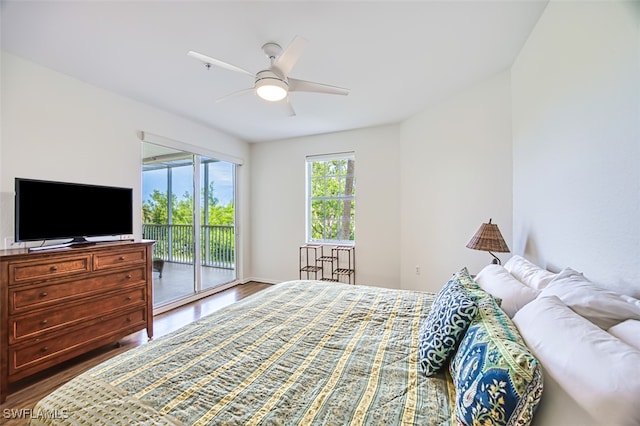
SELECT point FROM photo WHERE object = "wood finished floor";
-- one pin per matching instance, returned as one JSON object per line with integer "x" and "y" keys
{"x": 24, "y": 394}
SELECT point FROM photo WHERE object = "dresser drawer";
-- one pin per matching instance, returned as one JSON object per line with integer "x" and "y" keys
{"x": 22, "y": 272}
{"x": 39, "y": 354}
{"x": 30, "y": 326}
{"x": 121, "y": 258}
{"x": 27, "y": 298}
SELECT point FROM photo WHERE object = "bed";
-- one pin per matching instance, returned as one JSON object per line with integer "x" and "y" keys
{"x": 514, "y": 345}
{"x": 303, "y": 352}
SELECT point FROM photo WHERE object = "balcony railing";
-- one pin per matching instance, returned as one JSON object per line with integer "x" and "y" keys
{"x": 174, "y": 243}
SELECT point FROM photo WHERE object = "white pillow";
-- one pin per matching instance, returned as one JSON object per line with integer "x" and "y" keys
{"x": 602, "y": 307}
{"x": 631, "y": 300}
{"x": 622, "y": 287}
{"x": 497, "y": 281}
{"x": 628, "y": 331}
{"x": 597, "y": 369}
{"x": 528, "y": 273}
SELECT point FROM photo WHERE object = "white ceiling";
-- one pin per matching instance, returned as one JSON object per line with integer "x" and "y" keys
{"x": 396, "y": 57}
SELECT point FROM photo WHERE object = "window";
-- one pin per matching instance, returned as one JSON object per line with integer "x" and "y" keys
{"x": 331, "y": 202}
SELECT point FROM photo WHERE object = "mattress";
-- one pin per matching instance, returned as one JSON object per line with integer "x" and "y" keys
{"x": 300, "y": 352}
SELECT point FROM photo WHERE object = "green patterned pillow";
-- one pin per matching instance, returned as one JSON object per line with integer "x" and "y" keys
{"x": 465, "y": 279}
{"x": 450, "y": 315}
{"x": 497, "y": 380}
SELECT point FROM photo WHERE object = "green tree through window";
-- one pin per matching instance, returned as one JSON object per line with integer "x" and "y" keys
{"x": 331, "y": 198}
{"x": 155, "y": 209}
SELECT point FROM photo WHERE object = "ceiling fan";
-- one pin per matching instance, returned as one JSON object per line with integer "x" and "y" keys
{"x": 274, "y": 84}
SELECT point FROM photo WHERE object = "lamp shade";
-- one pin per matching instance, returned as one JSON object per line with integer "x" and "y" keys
{"x": 488, "y": 238}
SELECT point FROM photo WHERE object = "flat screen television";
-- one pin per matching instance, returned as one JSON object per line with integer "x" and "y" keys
{"x": 49, "y": 210}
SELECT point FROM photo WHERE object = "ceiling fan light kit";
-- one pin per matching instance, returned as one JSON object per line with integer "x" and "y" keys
{"x": 270, "y": 87}
{"x": 274, "y": 84}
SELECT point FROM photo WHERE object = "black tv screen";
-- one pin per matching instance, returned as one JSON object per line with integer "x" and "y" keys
{"x": 46, "y": 210}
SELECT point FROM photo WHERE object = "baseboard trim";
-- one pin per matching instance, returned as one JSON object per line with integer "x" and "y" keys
{"x": 260, "y": 280}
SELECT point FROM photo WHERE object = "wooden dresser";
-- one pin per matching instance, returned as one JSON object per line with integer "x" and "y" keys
{"x": 57, "y": 304}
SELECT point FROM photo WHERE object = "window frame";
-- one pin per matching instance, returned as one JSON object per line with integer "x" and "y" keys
{"x": 309, "y": 161}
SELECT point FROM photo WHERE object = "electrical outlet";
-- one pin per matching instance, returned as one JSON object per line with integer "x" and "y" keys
{"x": 417, "y": 269}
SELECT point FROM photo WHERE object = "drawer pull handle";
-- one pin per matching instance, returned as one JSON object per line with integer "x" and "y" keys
{"x": 53, "y": 268}
{"x": 128, "y": 297}
{"x": 121, "y": 258}
{"x": 129, "y": 276}
{"x": 44, "y": 294}
{"x": 44, "y": 349}
{"x": 128, "y": 319}
{"x": 43, "y": 322}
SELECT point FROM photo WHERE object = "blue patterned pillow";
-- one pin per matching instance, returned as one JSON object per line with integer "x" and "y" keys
{"x": 450, "y": 315}
{"x": 497, "y": 380}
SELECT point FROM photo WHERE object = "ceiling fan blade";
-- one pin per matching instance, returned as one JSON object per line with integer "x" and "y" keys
{"x": 289, "y": 107}
{"x": 234, "y": 94}
{"x": 296, "y": 85}
{"x": 218, "y": 63}
{"x": 289, "y": 57}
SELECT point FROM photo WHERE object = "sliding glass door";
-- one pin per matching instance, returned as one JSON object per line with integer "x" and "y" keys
{"x": 176, "y": 220}
{"x": 218, "y": 236}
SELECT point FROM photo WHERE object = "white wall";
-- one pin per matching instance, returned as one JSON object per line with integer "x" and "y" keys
{"x": 55, "y": 127}
{"x": 423, "y": 189}
{"x": 456, "y": 174}
{"x": 576, "y": 129}
{"x": 278, "y": 203}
